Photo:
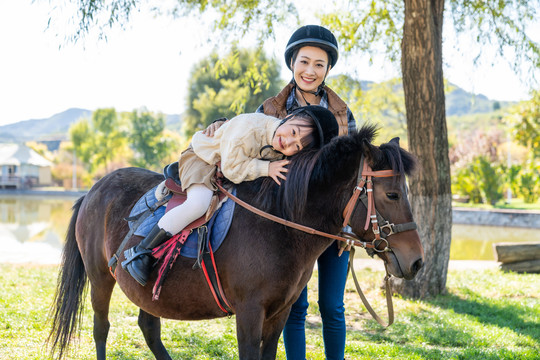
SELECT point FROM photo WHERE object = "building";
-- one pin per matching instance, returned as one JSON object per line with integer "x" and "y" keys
{"x": 22, "y": 167}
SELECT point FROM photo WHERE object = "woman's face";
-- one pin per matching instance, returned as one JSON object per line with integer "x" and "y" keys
{"x": 310, "y": 67}
{"x": 288, "y": 137}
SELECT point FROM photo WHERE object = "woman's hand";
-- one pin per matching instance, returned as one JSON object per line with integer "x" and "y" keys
{"x": 212, "y": 128}
{"x": 276, "y": 170}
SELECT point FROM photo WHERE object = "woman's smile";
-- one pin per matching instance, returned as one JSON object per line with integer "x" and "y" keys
{"x": 310, "y": 67}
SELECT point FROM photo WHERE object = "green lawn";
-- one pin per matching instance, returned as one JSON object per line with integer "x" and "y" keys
{"x": 515, "y": 204}
{"x": 486, "y": 314}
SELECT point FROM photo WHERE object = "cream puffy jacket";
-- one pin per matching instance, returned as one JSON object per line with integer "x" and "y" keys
{"x": 237, "y": 144}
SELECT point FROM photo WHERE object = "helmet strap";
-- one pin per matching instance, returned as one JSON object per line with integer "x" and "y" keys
{"x": 318, "y": 92}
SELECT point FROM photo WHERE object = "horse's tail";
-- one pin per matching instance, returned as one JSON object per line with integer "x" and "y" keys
{"x": 66, "y": 310}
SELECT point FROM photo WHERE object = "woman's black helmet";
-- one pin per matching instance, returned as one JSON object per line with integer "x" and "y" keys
{"x": 327, "y": 126}
{"x": 312, "y": 35}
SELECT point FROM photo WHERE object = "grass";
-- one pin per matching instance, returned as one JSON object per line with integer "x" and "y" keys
{"x": 515, "y": 204}
{"x": 486, "y": 314}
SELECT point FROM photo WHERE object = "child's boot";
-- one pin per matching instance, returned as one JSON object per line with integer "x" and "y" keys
{"x": 139, "y": 259}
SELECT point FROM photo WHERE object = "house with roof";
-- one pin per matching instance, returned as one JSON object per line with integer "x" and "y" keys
{"x": 22, "y": 167}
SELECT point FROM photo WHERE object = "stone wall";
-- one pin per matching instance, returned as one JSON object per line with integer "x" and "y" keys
{"x": 496, "y": 217}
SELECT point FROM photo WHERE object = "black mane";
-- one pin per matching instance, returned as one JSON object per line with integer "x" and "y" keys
{"x": 319, "y": 168}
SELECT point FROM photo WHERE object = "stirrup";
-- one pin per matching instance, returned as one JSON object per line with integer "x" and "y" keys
{"x": 132, "y": 254}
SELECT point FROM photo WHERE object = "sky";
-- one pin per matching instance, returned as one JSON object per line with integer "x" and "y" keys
{"x": 148, "y": 64}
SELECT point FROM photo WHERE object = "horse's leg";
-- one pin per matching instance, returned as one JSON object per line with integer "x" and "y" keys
{"x": 101, "y": 298}
{"x": 249, "y": 323}
{"x": 151, "y": 329}
{"x": 272, "y": 329}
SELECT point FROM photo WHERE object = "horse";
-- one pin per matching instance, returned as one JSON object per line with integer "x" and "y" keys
{"x": 263, "y": 265}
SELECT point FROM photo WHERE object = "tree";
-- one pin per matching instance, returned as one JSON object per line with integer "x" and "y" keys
{"x": 410, "y": 30}
{"x": 224, "y": 87}
{"x": 100, "y": 141}
{"x": 525, "y": 119}
{"x": 418, "y": 43}
{"x": 148, "y": 140}
{"x": 381, "y": 103}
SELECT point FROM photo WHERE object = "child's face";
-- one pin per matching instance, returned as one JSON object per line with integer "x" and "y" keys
{"x": 288, "y": 137}
{"x": 310, "y": 67}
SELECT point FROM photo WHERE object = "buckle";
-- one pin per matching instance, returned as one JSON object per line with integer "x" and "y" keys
{"x": 390, "y": 228}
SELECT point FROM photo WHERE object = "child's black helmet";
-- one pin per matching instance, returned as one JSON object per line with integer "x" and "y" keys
{"x": 325, "y": 121}
{"x": 312, "y": 35}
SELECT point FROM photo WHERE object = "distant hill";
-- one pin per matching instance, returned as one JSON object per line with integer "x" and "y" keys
{"x": 460, "y": 102}
{"x": 53, "y": 129}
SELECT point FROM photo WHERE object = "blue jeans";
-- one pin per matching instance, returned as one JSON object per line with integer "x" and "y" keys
{"x": 332, "y": 277}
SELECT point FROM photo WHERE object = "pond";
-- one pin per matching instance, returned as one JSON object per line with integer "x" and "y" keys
{"x": 32, "y": 229}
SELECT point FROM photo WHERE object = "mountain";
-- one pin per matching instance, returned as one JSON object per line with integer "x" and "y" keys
{"x": 460, "y": 102}
{"x": 54, "y": 129}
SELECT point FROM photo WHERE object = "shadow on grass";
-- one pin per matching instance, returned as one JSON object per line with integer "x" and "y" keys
{"x": 451, "y": 327}
{"x": 503, "y": 314}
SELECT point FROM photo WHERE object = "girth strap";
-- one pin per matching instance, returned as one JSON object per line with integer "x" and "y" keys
{"x": 212, "y": 278}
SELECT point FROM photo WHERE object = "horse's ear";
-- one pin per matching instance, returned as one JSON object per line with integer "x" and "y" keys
{"x": 395, "y": 140}
{"x": 370, "y": 151}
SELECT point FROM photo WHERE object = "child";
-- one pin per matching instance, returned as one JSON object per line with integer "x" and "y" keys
{"x": 249, "y": 146}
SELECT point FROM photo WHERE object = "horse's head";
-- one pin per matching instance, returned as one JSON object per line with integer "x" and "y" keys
{"x": 397, "y": 242}
{"x": 320, "y": 183}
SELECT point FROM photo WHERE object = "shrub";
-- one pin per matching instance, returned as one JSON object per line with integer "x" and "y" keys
{"x": 480, "y": 181}
{"x": 529, "y": 183}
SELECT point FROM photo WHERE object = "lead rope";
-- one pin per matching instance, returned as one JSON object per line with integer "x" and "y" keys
{"x": 388, "y": 289}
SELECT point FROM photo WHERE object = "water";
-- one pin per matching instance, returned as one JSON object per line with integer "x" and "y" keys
{"x": 32, "y": 229}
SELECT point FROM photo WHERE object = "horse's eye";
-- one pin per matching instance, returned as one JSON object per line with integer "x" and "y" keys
{"x": 392, "y": 196}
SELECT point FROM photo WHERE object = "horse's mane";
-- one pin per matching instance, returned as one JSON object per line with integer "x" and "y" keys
{"x": 322, "y": 167}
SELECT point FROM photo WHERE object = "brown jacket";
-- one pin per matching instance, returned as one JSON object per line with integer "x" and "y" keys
{"x": 276, "y": 106}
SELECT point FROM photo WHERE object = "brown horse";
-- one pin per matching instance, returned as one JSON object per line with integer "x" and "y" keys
{"x": 263, "y": 265}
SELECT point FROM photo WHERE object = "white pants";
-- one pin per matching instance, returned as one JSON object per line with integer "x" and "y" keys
{"x": 195, "y": 206}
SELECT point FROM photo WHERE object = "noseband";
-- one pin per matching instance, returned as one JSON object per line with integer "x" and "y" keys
{"x": 364, "y": 192}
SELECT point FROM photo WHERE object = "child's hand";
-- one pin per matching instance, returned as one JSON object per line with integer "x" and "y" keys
{"x": 276, "y": 168}
{"x": 211, "y": 129}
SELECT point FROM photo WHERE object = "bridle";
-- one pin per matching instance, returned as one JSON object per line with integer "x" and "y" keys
{"x": 362, "y": 191}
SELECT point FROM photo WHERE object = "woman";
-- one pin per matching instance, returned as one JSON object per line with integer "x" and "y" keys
{"x": 311, "y": 52}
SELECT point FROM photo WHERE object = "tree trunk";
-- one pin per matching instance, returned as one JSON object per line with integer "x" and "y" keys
{"x": 430, "y": 192}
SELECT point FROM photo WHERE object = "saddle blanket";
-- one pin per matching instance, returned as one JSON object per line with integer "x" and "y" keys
{"x": 218, "y": 226}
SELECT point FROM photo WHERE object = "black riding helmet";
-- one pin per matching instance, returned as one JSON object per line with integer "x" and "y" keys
{"x": 312, "y": 35}
{"x": 327, "y": 126}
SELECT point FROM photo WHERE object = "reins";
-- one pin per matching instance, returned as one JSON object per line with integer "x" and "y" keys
{"x": 347, "y": 238}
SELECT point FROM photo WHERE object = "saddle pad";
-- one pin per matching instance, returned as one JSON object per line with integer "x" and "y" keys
{"x": 220, "y": 222}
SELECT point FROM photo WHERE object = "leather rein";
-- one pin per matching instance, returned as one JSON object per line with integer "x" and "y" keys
{"x": 364, "y": 192}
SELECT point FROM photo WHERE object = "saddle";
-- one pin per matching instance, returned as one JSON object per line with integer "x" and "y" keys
{"x": 172, "y": 182}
